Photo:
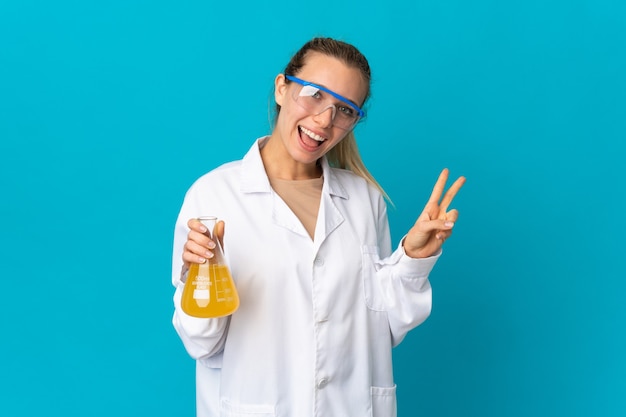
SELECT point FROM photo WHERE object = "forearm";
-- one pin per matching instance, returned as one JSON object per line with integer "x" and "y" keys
{"x": 403, "y": 291}
{"x": 408, "y": 294}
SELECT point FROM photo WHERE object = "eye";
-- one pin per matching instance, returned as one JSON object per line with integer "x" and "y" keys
{"x": 310, "y": 91}
{"x": 346, "y": 111}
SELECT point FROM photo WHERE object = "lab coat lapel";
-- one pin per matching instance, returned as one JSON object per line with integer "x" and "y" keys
{"x": 253, "y": 176}
{"x": 283, "y": 216}
{"x": 254, "y": 180}
{"x": 329, "y": 216}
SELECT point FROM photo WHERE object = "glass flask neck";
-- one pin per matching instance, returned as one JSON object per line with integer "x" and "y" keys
{"x": 218, "y": 252}
{"x": 209, "y": 222}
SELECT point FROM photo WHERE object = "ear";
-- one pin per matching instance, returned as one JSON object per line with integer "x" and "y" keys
{"x": 280, "y": 89}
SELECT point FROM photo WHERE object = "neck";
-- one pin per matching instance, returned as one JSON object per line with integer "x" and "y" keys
{"x": 279, "y": 164}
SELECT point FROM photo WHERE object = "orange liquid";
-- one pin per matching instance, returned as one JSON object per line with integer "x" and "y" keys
{"x": 209, "y": 291}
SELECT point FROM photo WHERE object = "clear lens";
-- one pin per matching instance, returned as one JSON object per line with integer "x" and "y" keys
{"x": 316, "y": 101}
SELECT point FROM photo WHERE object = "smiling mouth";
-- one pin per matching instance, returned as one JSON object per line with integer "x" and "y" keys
{"x": 310, "y": 138}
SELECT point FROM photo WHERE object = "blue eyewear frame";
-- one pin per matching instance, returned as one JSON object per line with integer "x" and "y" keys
{"x": 360, "y": 112}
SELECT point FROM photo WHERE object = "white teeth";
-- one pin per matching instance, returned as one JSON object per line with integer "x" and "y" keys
{"x": 312, "y": 135}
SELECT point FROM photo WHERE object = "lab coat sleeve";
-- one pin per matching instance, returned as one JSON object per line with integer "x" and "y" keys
{"x": 403, "y": 283}
{"x": 202, "y": 338}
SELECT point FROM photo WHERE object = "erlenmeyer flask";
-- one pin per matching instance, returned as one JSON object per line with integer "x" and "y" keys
{"x": 210, "y": 290}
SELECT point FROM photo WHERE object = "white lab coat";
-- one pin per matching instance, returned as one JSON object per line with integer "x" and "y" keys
{"x": 318, "y": 318}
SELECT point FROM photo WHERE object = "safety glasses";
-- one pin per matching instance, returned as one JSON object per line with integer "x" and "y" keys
{"x": 317, "y": 99}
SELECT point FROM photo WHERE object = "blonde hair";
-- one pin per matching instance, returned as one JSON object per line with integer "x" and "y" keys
{"x": 345, "y": 154}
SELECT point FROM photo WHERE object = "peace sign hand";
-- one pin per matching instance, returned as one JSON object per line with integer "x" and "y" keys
{"x": 435, "y": 223}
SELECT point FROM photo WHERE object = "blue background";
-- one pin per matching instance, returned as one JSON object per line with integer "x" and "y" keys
{"x": 109, "y": 110}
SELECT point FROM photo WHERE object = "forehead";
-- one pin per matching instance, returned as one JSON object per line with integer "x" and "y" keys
{"x": 335, "y": 75}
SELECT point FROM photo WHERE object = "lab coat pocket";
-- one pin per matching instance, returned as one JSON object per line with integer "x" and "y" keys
{"x": 229, "y": 409}
{"x": 384, "y": 401}
{"x": 371, "y": 285}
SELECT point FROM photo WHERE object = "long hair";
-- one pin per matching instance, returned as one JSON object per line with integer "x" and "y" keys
{"x": 345, "y": 154}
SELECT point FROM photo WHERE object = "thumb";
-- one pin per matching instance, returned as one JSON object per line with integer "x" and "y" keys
{"x": 218, "y": 232}
{"x": 437, "y": 224}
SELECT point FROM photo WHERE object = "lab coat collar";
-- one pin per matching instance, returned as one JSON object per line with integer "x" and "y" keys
{"x": 254, "y": 178}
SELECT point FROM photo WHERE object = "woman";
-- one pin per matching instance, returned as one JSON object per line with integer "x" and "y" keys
{"x": 323, "y": 297}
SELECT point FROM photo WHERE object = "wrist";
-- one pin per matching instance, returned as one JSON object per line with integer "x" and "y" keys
{"x": 415, "y": 253}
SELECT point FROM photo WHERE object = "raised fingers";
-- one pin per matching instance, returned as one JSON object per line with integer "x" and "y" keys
{"x": 452, "y": 216}
{"x": 440, "y": 185}
{"x": 450, "y": 194}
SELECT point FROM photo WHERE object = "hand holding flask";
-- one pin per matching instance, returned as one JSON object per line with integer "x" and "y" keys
{"x": 210, "y": 291}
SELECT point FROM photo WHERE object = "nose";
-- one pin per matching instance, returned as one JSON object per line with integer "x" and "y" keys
{"x": 325, "y": 117}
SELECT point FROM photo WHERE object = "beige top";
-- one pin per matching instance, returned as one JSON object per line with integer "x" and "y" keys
{"x": 302, "y": 197}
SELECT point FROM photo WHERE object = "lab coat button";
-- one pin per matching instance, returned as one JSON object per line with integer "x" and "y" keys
{"x": 318, "y": 262}
{"x": 322, "y": 383}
